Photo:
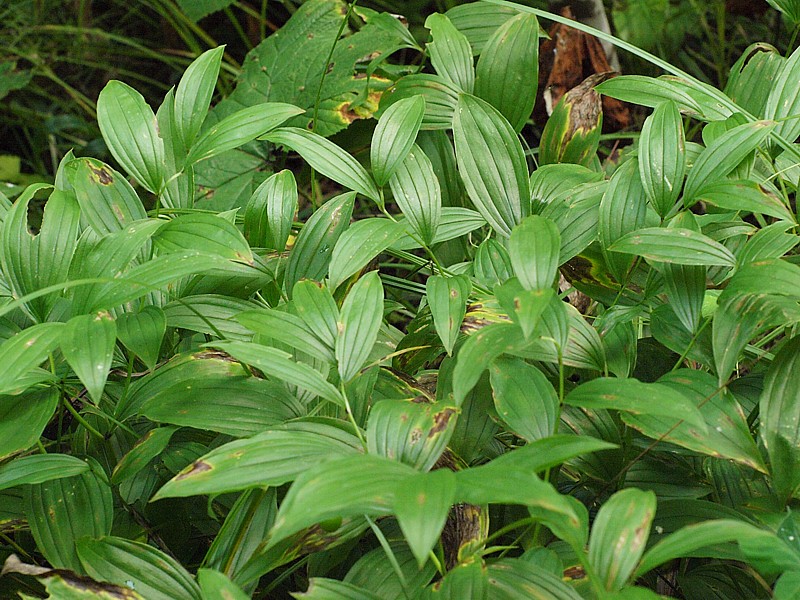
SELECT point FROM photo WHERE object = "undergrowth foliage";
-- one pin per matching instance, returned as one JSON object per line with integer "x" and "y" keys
{"x": 391, "y": 398}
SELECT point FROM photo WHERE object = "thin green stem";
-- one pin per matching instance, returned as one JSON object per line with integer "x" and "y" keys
{"x": 80, "y": 419}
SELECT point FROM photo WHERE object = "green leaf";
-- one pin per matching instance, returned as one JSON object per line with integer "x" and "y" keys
{"x": 280, "y": 365}
{"x": 315, "y": 306}
{"x": 197, "y": 9}
{"x": 551, "y": 182}
{"x": 447, "y": 298}
{"x": 767, "y": 243}
{"x": 524, "y": 398}
{"x": 320, "y": 588}
{"x": 270, "y": 210}
{"x": 363, "y": 241}
{"x": 744, "y": 195}
{"x": 491, "y": 163}
{"x": 271, "y": 458}
{"x": 525, "y": 307}
{"x": 358, "y": 325}
{"x": 215, "y": 585}
{"x": 441, "y": 97}
{"x": 478, "y": 21}
{"x": 155, "y": 575}
{"x": 753, "y": 75}
{"x": 39, "y": 468}
{"x": 421, "y": 507}
{"x": 61, "y": 511}
{"x": 648, "y": 91}
{"x": 466, "y": 580}
{"x": 662, "y": 159}
{"x": 239, "y": 128}
{"x": 142, "y": 332}
{"x": 633, "y": 396}
{"x": 619, "y": 536}
{"x": 87, "y": 343}
{"x": 783, "y": 104}
{"x": 24, "y": 351}
{"x": 130, "y": 131}
{"x": 311, "y": 253}
{"x": 676, "y": 246}
{"x": 148, "y": 447}
{"x": 517, "y": 579}
{"x": 23, "y": 419}
{"x": 455, "y": 222}
{"x": 327, "y": 158}
{"x": 211, "y": 314}
{"x": 723, "y": 155}
{"x": 417, "y": 192}
{"x": 194, "y": 93}
{"x": 507, "y": 74}
{"x": 576, "y": 215}
{"x": 108, "y": 202}
{"x": 779, "y": 411}
{"x": 773, "y": 276}
{"x": 204, "y": 232}
{"x": 450, "y": 52}
{"x": 394, "y": 136}
{"x": 534, "y": 250}
{"x": 492, "y": 264}
{"x": 410, "y": 432}
{"x": 288, "y": 329}
{"x": 341, "y": 488}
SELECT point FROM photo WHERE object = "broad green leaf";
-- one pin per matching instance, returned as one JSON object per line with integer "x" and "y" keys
{"x": 705, "y": 95}
{"x": 39, "y": 468}
{"x": 389, "y": 579}
{"x": 455, "y": 222}
{"x": 550, "y": 182}
{"x": 24, "y": 417}
{"x": 723, "y": 155}
{"x": 491, "y": 163}
{"x": 340, "y": 488}
{"x": 410, "y": 432}
{"x": 272, "y": 458}
{"x": 450, "y": 52}
{"x": 270, "y": 210}
{"x": 662, "y": 159}
{"x": 492, "y": 264}
{"x": 686, "y": 284}
{"x": 768, "y": 242}
{"x": 619, "y": 536}
{"x": 525, "y": 307}
{"x": 727, "y": 434}
{"x": 417, "y": 192}
{"x": 130, "y": 131}
{"x": 676, "y": 246}
{"x": 193, "y": 95}
{"x": 214, "y": 584}
{"x": 179, "y": 185}
{"x": 507, "y": 74}
{"x": 311, "y": 253}
{"x": 779, "y": 411}
{"x": 783, "y": 104}
{"x": 204, "y": 232}
{"x": 466, "y": 580}
{"x": 745, "y": 196}
{"x": 638, "y": 398}
{"x": 787, "y": 586}
{"x": 142, "y": 332}
{"x": 211, "y": 314}
{"x": 517, "y": 579}
{"x": 280, "y": 365}
{"x": 363, "y": 241}
{"x": 87, "y": 343}
{"x": 239, "y": 128}
{"x": 148, "y": 447}
{"x": 534, "y": 250}
{"x": 790, "y": 8}
{"x": 235, "y": 405}
{"x": 320, "y": 588}
{"x": 108, "y": 202}
{"x": 327, "y": 158}
{"x": 441, "y": 97}
{"x": 576, "y": 215}
{"x": 61, "y": 511}
{"x": 753, "y": 75}
{"x": 648, "y": 91}
{"x": 288, "y": 329}
{"x": 394, "y": 136}
{"x": 447, "y": 298}
{"x": 24, "y": 351}
{"x": 421, "y": 507}
{"x": 623, "y": 209}
{"x": 315, "y": 306}
{"x": 358, "y": 325}
{"x": 525, "y": 400}
{"x": 197, "y": 9}
{"x": 151, "y": 572}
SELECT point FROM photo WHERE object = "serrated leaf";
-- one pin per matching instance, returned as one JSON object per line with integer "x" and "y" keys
{"x": 87, "y": 343}
{"x": 662, "y": 159}
{"x": 507, "y": 74}
{"x": 239, "y": 128}
{"x": 205, "y": 232}
{"x": 417, "y": 192}
{"x": 358, "y": 325}
{"x": 142, "y": 332}
{"x": 450, "y": 52}
{"x": 524, "y": 398}
{"x": 491, "y": 163}
{"x": 24, "y": 417}
{"x": 270, "y": 210}
{"x": 327, "y": 158}
{"x": 447, "y": 298}
{"x": 421, "y": 507}
{"x": 534, "y": 250}
{"x": 363, "y": 241}
{"x": 193, "y": 95}
{"x": 675, "y": 245}
{"x": 38, "y": 468}
{"x": 394, "y": 136}
{"x": 130, "y": 131}
{"x": 272, "y": 458}
{"x": 619, "y": 535}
